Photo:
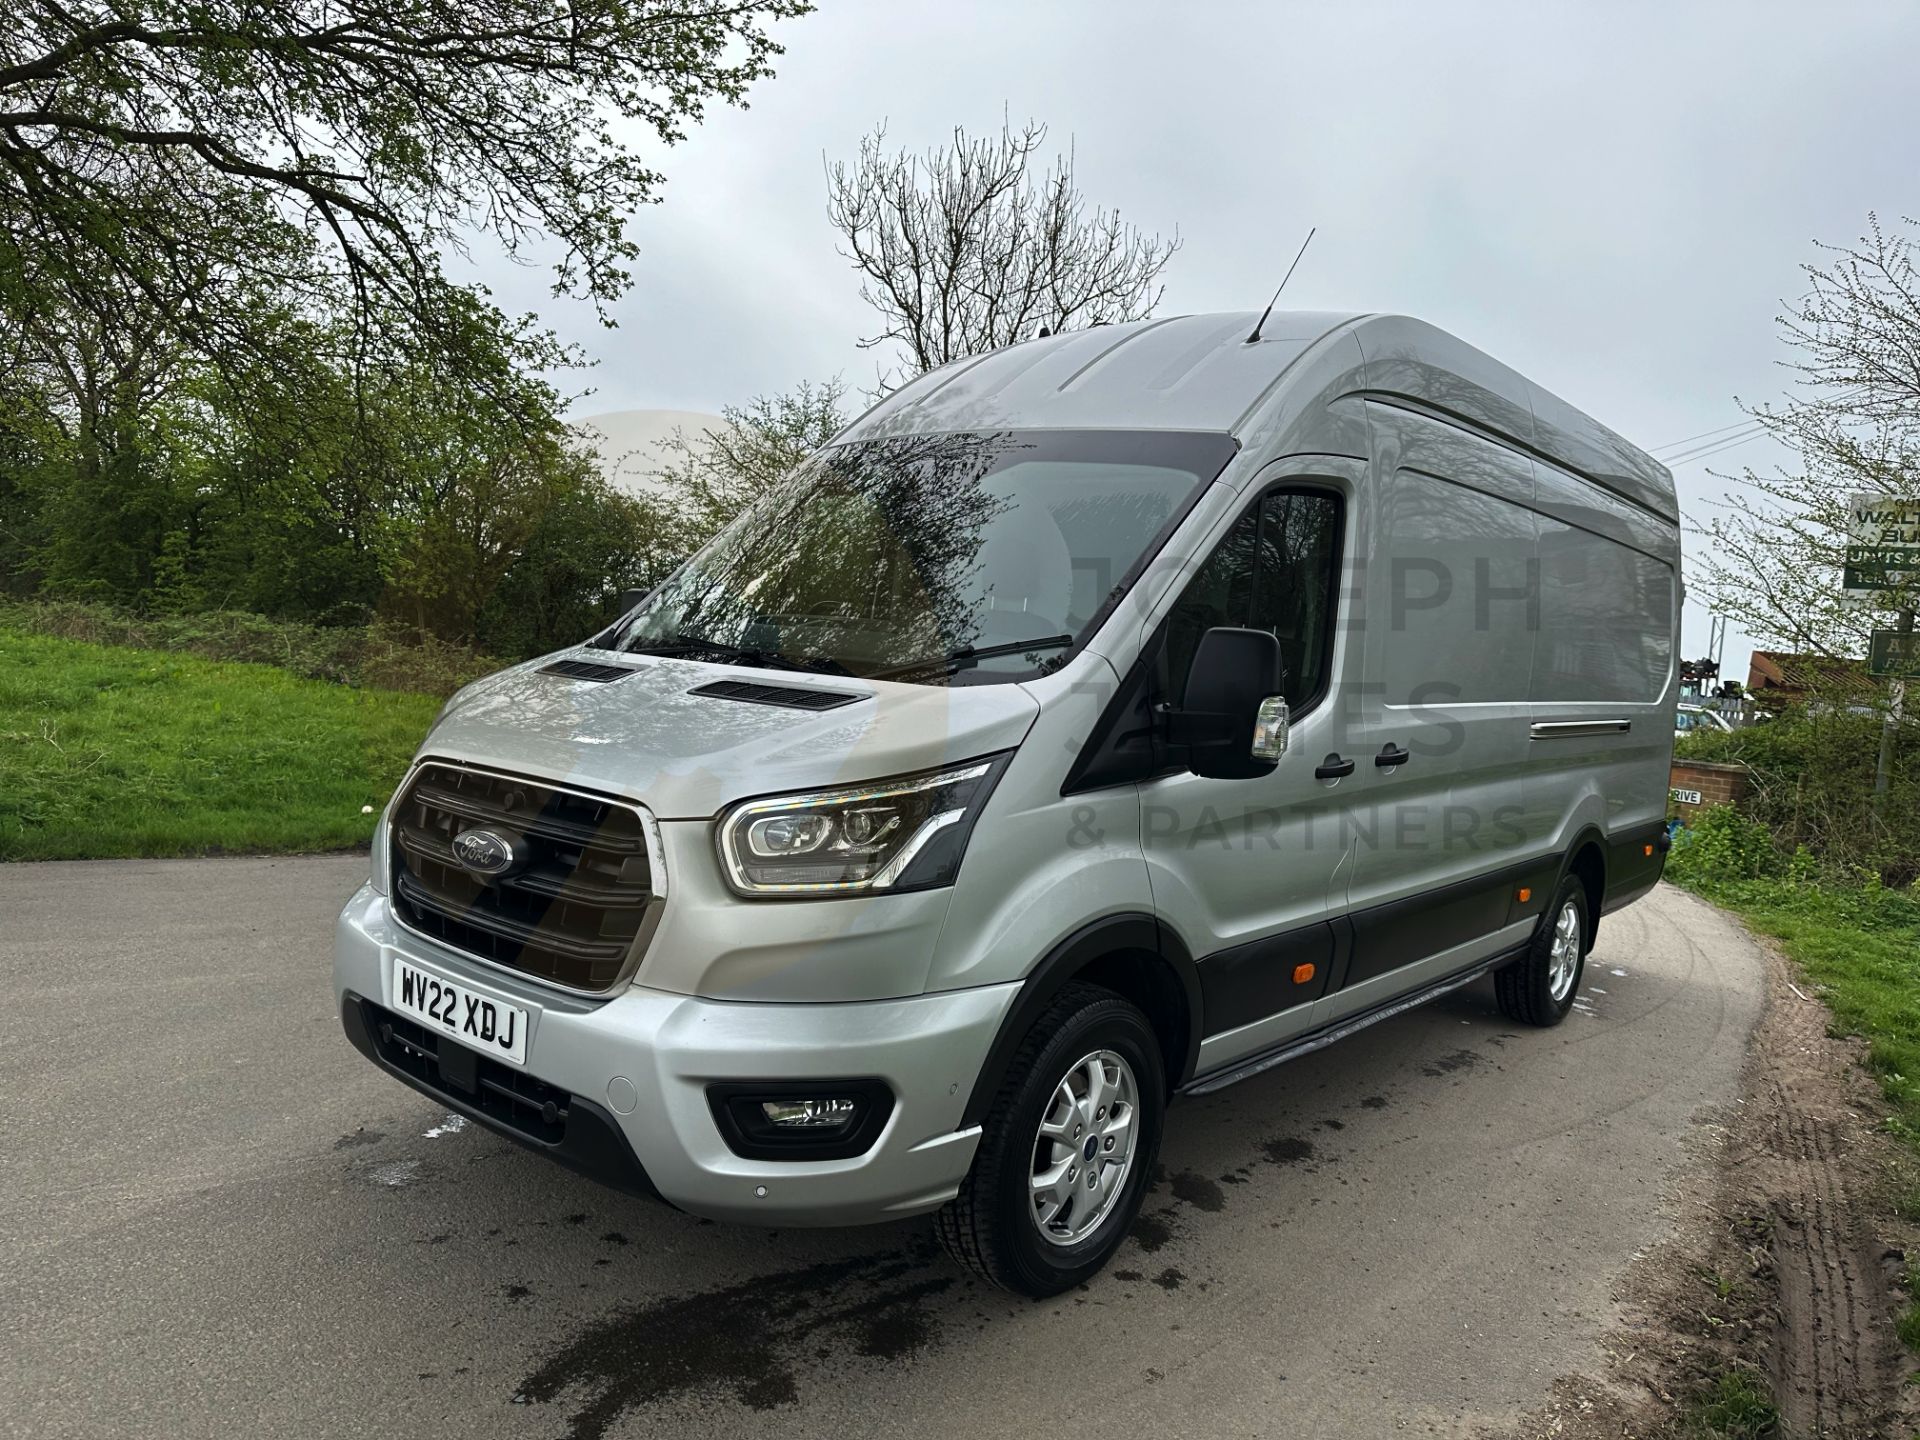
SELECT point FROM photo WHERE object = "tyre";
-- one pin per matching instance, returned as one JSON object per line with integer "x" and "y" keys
{"x": 1066, "y": 1149}
{"x": 1538, "y": 989}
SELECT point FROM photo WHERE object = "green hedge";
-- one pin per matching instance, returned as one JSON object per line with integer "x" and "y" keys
{"x": 373, "y": 657}
{"x": 1813, "y": 791}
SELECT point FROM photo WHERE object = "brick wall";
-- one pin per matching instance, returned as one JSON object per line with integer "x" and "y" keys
{"x": 1718, "y": 784}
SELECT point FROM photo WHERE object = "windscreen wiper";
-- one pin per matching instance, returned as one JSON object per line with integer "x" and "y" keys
{"x": 968, "y": 655}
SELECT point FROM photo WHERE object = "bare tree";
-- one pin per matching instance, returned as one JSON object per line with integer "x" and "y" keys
{"x": 1777, "y": 543}
{"x": 971, "y": 246}
{"x": 709, "y": 477}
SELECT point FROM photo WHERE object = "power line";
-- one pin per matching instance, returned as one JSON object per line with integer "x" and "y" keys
{"x": 1676, "y": 444}
{"x": 1731, "y": 442}
{"x": 1748, "y": 427}
{"x": 1709, "y": 447}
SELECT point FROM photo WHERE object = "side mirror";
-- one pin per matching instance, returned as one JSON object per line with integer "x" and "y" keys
{"x": 1232, "y": 721}
{"x": 629, "y": 599}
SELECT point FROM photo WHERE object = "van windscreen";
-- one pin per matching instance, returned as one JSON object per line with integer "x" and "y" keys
{"x": 953, "y": 558}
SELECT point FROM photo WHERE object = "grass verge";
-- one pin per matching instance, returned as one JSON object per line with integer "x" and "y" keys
{"x": 1862, "y": 948}
{"x": 1859, "y": 944}
{"x": 107, "y": 751}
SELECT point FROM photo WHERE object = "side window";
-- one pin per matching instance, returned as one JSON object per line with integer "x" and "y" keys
{"x": 1277, "y": 570}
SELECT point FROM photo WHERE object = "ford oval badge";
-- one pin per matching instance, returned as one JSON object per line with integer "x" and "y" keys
{"x": 488, "y": 852}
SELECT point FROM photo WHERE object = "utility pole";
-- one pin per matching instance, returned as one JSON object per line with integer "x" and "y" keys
{"x": 1896, "y": 703}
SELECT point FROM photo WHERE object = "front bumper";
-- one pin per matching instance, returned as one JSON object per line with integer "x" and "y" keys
{"x": 639, "y": 1064}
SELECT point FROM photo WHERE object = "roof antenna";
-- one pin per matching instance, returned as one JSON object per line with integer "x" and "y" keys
{"x": 1251, "y": 339}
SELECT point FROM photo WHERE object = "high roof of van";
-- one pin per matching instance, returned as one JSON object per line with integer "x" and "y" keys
{"x": 1197, "y": 372}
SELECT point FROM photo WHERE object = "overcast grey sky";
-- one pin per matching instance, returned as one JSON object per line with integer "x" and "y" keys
{"x": 1610, "y": 197}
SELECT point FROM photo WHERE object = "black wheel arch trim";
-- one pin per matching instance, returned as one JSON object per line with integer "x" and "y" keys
{"x": 1133, "y": 933}
{"x": 1588, "y": 834}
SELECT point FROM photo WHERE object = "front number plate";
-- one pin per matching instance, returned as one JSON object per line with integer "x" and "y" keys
{"x": 449, "y": 1008}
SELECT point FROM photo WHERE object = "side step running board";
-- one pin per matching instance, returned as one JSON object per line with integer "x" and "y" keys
{"x": 1320, "y": 1039}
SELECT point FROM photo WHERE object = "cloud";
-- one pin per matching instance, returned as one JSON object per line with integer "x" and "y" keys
{"x": 1612, "y": 198}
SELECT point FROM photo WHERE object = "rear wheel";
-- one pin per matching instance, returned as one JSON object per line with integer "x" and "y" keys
{"x": 1538, "y": 989}
{"x": 1066, "y": 1149}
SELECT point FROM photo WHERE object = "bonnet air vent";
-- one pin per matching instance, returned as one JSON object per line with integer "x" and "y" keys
{"x": 586, "y": 670}
{"x": 789, "y": 696}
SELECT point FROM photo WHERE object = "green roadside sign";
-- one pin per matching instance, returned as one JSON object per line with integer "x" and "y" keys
{"x": 1894, "y": 655}
{"x": 1883, "y": 545}
{"x": 1868, "y": 569}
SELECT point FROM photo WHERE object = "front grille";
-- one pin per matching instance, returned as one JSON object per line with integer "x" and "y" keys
{"x": 572, "y": 911}
{"x": 531, "y": 1107}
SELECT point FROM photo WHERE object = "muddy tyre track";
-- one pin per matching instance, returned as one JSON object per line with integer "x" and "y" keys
{"x": 1836, "y": 1360}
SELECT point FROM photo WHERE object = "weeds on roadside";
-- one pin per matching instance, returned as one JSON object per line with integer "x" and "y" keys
{"x": 1906, "y": 1200}
{"x": 1736, "y": 1406}
{"x": 1723, "y": 1287}
{"x": 1908, "y": 1326}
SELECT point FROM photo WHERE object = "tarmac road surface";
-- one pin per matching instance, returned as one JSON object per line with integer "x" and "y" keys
{"x": 218, "y": 1220}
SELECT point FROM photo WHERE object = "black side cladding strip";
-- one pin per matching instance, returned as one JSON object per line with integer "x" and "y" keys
{"x": 1320, "y": 1039}
{"x": 1252, "y": 981}
{"x": 1399, "y": 932}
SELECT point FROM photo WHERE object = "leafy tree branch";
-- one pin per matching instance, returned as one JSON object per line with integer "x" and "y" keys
{"x": 372, "y": 136}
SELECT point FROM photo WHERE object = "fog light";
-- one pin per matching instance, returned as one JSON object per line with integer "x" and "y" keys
{"x": 818, "y": 1119}
{"x": 809, "y": 1114}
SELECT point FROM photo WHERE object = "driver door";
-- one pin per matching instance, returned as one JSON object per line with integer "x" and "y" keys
{"x": 1250, "y": 873}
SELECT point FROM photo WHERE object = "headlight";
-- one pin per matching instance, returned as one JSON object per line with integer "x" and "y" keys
{"x": 905, "y": 834}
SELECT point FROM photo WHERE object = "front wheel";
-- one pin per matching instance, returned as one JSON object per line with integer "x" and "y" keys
{"x": 1066, "y": 1149}
{"x": 1538, "y": 988}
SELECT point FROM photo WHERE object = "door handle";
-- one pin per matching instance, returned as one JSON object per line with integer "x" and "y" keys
{"x": 1332, "y": 768}
{"x": 1390, "y": 755}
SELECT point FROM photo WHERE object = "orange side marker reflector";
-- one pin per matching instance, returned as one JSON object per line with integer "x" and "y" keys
{"x": 1649, "y": 849}
{"x": 1523, "y": 895}
{"x": 1302, "y": 973}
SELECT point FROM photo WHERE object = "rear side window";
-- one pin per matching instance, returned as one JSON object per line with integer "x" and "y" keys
{"x": 1276, "y": 570}
{"x": 1606, "y": 619}
{"x": 1458, "y": 604}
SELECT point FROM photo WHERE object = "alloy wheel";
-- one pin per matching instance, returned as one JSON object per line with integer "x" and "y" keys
{"x": 1084, "y": 1148}
{"x": 1563, "y": 959}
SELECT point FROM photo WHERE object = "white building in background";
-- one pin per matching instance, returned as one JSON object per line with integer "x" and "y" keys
{"x": 633, "y": 443}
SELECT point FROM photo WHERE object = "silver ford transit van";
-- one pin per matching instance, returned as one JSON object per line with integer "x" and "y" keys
{"x": 1097, "y": 721}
